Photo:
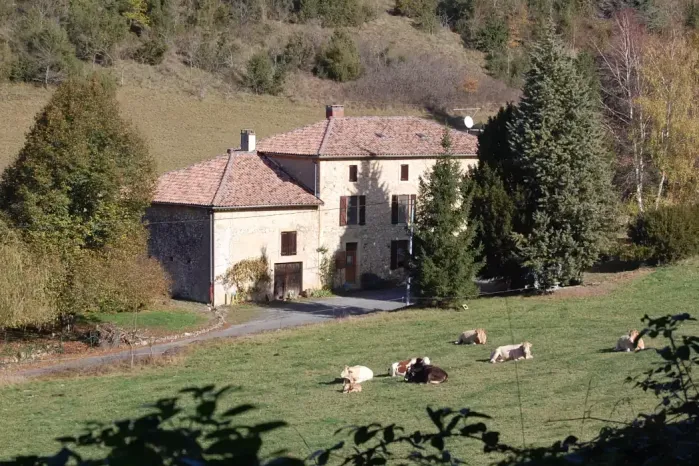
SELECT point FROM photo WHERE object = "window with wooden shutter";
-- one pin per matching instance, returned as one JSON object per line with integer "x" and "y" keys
{"x": 343, "y": 210}
{"x": 353, "y": 173}
{"x": 288, "y": 243}
{"x": 404, "y": 171}
{"x": 362, "y": 210}
{"x": 399, "y": 254}
{"x": 402, "y": 208}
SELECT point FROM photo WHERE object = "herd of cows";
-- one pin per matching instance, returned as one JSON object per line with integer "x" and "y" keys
{"x": 421, "y": 370}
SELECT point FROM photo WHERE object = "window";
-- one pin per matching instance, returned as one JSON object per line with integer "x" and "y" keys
{"x": 404, "y": 173}
{"x": 353, "y": 173}
{"x": 403, "y": 208}
{"x": 352, "y": 210}
{"x": 399, "y": 254}
{"x": 288, "y": 243}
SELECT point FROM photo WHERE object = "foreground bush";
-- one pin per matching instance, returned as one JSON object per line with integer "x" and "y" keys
{"x": 27, "y": 297}
{"x": 668, "y": 234}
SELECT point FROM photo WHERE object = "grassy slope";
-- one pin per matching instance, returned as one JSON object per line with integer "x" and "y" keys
{"x": 180, "y": 128}
{"x": 286, "y": 374}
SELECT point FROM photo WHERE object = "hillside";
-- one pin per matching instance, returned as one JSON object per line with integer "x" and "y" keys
{"x": 188, "y": 114}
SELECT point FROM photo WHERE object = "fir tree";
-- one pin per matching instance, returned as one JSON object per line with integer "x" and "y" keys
{"x": 557, "y": 142}
{"x": 444, "y": 267}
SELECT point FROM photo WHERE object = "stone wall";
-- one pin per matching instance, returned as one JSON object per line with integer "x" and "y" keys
{"x": 378, "y": 180}
{"x": 182, "y": 245}
{"x": 245, "y": 234}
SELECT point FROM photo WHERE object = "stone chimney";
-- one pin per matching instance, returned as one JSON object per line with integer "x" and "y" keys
{"x": 334, "y": 111}
{"x": 247, "y": 140}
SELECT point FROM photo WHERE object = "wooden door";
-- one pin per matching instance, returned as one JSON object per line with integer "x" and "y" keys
{"x": 351, "y": 262}
{"x": 288, "y": 279}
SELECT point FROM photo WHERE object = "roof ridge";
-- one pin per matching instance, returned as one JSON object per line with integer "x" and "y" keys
{"x": 224, "y": 178}
{"x": 325, "y": 135}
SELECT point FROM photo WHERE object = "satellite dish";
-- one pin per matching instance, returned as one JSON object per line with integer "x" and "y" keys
{"x": 468, "y": 122}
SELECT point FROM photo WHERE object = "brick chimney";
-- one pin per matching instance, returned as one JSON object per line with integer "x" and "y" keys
{"x": 247, "y": 140}
{"x": 334, "y": 111}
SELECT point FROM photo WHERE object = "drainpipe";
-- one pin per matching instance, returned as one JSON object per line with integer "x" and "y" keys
{"x": 212, "y": 274}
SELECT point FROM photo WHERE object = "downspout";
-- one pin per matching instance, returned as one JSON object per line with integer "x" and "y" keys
{"x": 212, "y": 274}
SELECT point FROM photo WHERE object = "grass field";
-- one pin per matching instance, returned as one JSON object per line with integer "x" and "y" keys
{"x": 289, "y": 375}
{"x": 170, "y": 320}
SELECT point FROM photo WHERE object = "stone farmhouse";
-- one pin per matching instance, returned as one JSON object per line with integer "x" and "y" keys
{"x": 340, "y": 191}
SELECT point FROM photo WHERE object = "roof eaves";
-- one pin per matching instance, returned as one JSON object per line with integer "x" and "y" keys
{"x": 266, "y": 206}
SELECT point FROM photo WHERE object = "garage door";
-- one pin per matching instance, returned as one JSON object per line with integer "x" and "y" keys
{"x": 288, "y": 279}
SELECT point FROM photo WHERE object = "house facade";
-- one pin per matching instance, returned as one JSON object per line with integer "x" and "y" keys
{"x": 341, "y": 191}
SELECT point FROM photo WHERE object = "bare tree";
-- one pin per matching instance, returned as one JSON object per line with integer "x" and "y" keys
{"x": 622, "y": 86}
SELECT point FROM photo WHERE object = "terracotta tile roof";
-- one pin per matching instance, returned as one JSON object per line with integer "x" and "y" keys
{"x": 242, "y": 180}
{"x": 369, "y": 136}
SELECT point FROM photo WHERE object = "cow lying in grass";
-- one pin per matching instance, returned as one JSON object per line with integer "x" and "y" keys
{"x": 512, "y": 352}
{"x": 351, "y": 387}
{"x": 425, "y": 373}
{"x": 400, "y": 368}
{"x": 472, "y": 337}
{"x": 629, "y": 342}
{"x": 357, "y": 374}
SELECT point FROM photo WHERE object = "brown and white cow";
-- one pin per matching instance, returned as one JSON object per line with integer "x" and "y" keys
{"x": 630, "y": 342}
{"x": 351, "y": 386}
{"x": 400, "y": 368}
{"x": 472, "y": 337}
{"x": 512, "y": 352}
{"x": 425, "y": 373}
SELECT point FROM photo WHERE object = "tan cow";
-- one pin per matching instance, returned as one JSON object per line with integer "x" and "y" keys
{"x": 512, "y": 352}
{"x": 626, "y": 342}
{"x": 472, "y": 337}
{"x": 351, "y": 387}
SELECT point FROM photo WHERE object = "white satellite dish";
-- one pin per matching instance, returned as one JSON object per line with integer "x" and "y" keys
{"x": 468, "y": 122}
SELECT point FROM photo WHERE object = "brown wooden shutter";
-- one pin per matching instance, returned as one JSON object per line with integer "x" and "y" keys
{"x": 343, "y": 210}
{"x": 285, "y": 244}
{"x": 404, "y": 172}
{"x": 411, "y": 208}
{"x": 394, "y": 255}
{"x": 362, "y": 210}
{"x": 353, "y": 173}
{"x": 394, "y": 209}
{"x": 292, "y": 243}
{"x": 340, "y": 260}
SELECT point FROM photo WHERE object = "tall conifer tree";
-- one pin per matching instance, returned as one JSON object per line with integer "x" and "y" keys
{"x": 442, "y": 243}
{"x": 558, "y": 147}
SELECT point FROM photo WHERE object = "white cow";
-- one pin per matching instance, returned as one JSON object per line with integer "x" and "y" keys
{"x": 472, "y": 337}
{"x": 512, "y": 352}
{"x": 357, "y": 374}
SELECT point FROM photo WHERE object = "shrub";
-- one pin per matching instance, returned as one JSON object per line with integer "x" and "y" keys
{"x": 416, "y": 8}
{"x": 26, "y": 292}
{"x": 152, "y": 51}
{"x": 300, "y": 52}
{"x": 493, "y": 35}
{"x": 248, "y": 277}
{"x": 262, "y": 76}
{"x": 120, "y": 278}
{"x": 339, "y": 59}
{"x": 335, "y": 13}
{"x": 670, "y": 233}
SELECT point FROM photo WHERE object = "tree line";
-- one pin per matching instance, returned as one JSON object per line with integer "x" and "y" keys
{"x": 541, "y": 207}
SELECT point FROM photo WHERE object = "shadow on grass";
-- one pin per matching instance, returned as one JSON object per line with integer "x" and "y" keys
{"x": 336, "y": 381}
{"x": 608, "y": 350}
